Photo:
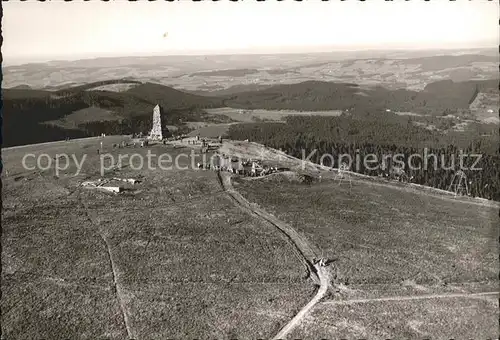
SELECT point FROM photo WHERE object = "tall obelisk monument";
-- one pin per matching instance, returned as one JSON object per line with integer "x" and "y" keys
{"x": 156, "y": 132}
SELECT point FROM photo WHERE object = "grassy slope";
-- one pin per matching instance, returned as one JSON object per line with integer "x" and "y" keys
{"x": 450, "y": 318}
{"x": 376, "y": 231}
{"x": 189, "y": 263}
{"x": 388, "y": 242}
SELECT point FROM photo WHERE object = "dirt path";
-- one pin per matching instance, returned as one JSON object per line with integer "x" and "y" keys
{"x": 306, "y": 251}
{"x": 117, "y": 287}
{"x": 324, "y": 283}
{"x": 413, "y": 297}
{"x": 301, "y": 246}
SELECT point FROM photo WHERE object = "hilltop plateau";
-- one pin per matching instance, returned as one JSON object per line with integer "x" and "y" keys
{"x": 142, "y": 263}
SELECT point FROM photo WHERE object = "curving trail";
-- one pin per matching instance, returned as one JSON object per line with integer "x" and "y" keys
{"x": 303, "y": 248}
{"x": 324, "y": 282}
{"x": 116, "y": 286}
{"x": 305, "y": 252}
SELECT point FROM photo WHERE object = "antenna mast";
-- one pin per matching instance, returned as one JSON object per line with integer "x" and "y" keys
{"x": 459, "y": 184}
{"x": 342, "y": 175}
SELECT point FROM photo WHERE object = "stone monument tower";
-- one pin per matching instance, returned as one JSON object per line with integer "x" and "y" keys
{"x": 156, "y": 132}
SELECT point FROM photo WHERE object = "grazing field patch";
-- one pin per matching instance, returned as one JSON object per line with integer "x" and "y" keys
{"x": 87, "y": 115}
{"x": 210, "y": 130}
{"x": 263, "y": 115}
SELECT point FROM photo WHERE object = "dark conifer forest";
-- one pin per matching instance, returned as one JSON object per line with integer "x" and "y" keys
{"x": 346, "y": 135}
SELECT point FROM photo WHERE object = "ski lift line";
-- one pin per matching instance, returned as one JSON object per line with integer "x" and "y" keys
{"x": 340, "y": 173}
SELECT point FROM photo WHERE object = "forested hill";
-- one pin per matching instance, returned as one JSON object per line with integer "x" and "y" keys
{"x": 28, "y": 111}
{"x": 65, "y": 91}
{"x": 130, "y": 110}
{"x": 170, "y": 98}
{"x": 435, "y": 99}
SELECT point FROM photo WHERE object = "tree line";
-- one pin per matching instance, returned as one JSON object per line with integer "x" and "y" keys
{"x": 334, "y": 136}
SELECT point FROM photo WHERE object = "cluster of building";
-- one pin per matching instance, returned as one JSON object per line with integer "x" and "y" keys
{"x": 109, "y": 184}
{"x": 253, "y": 168}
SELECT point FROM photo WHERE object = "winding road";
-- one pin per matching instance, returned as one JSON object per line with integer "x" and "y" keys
{"x": 324, "y": 283}
{"x": 303, "y": 248}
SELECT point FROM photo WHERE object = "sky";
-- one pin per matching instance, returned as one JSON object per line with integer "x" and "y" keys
{"x": 41, "y": 31}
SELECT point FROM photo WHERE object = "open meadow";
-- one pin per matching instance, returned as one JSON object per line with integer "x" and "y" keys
{"x": 249, "y": 116}
{"x": 439, "y": 317}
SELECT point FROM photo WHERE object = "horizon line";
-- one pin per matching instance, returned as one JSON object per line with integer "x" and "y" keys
{"x": 241, "y": 52}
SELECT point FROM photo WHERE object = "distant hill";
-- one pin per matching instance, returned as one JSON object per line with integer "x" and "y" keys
{"x": 454, "y": 64}
{"x": 22, "y": 87}
{"x": 171, "y": 98}
{"x": 427, "y": 63}
{"x": 89, "y": 86}
{"x": 226, "y": 73}
{"x": 26, "y": 111}
{"x": 450, "y": 86}
{"x": 16, "y": 93}
{"x": 318, "y": 95}
{"x": 80, "y": 111}
{"x": 231, "y": 90}
{"x": 436, "y": 63}
{"x": 309, "y": 95}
